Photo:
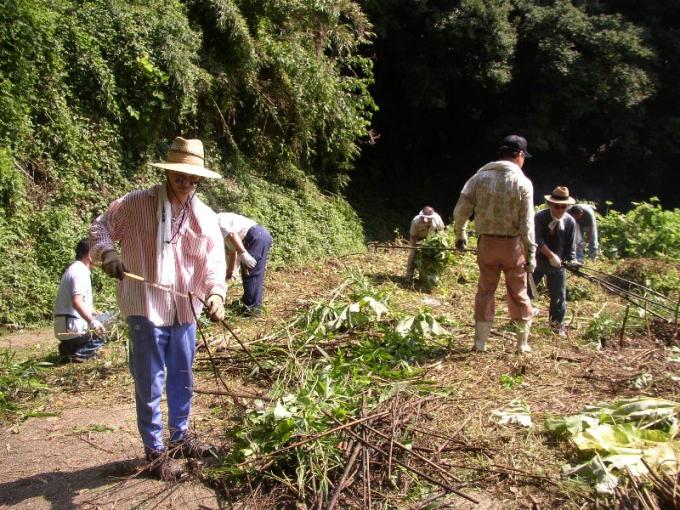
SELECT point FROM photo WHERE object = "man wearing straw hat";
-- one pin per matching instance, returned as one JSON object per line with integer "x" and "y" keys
{"x": 556, "y": 239}
{"x": 170, "y": 239}
{"x": 502, "y": 199}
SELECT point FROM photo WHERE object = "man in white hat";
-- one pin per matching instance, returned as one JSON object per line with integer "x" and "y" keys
{"x": 502, "y": 199}
{"x": 556, "y": 239}
{"x": 426, "y": 222}
{"x": 170, "y": 238}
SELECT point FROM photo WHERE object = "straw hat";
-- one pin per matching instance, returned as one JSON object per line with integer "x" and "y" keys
{"x": 186, "y": 156}
{"x": 560, "y": 195}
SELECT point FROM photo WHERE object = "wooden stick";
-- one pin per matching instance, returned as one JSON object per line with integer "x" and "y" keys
{"x": 218, "y": 376}
{"x": 229, "y": 393}
{"x": 397, "y": 247}
{"x": 240, "y": 342}
{"x": 623, "y": 326}
{"x": 677, "y": 308}
{"x": 427, "y": 477}
{"x": 348, "y": 468}
{"x": 415, "y": 454}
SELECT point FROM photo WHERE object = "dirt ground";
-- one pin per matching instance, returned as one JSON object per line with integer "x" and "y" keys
{"x": 83, "y": 451}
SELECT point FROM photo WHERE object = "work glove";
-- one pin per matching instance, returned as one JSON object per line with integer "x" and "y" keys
{"x": 215, "y": 307}
{"x": 554, "y": 260}
{"x": 112, "y": 265}
{"x": 572, "y": 264}
{"x": 98, "y": 327}
{"x": 530, "y": 265}
{"x": 248, "y": 260}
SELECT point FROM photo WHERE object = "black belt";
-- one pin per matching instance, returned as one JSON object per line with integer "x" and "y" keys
{"x": 66, "y": 315}
{"x": 500, "y": 236}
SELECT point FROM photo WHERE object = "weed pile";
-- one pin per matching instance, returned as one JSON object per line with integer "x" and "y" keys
{"x": 349, "y": 388}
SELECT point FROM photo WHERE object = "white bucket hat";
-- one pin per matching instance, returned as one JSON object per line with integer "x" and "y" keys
{"x": 186, "y": 156}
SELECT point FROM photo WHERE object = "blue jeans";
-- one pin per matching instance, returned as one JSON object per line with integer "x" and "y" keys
{"x": 556, "y": 280}
{"x": 257, "y": 242}
{"x": 153, "y": 350}
{"x": 82, "y": 348}
{"x": 593, "y": 244}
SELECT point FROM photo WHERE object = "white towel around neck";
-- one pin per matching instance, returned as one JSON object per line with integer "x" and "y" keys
{"x": 556, "y": 222}
{"x": 165, "y": 256}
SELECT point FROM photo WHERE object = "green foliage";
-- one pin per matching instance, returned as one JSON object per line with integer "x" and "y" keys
{"x": 647, "y": 230}
{"x": 91, "y": 89}
{"x": 434, "y": 256}
{"x": 289, "y": 84}
{"x": 311, "y": 391}
{"x": 18, "y": 381}
{"x": 510, "y": 381}
{"x": 625, "y": 437}
{"x": 602, "y": 327}
{"x": 305, "y": 224}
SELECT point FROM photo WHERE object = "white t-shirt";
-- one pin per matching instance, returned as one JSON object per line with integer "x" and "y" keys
{"x": 421, "y": 229}
{"x": 232, "y": 222}
{"x": 75, "y": 280}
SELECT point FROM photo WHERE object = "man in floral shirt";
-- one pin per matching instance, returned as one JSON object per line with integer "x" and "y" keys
{"x": 502, "y": 200}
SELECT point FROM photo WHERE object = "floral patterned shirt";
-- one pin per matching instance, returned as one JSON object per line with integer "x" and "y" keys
{"x": 502, "y": 200}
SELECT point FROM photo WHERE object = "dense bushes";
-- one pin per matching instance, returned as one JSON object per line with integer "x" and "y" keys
{"x": 304, "y": 223}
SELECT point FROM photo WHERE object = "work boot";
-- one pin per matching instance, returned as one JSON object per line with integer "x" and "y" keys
{"x": 523, "y": 328}
{"x": 482, "y": 331}
{"x": 161, "y": 466}
{"x": 190, "y": 447}
{"x": 559, "y": 329}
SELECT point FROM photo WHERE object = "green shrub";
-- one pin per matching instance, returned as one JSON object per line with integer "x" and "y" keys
{"x": 305, "y": 224}
{"x": 659, "y": 275}
{"x": 647, "y": 230}
{"x": 602, "y": 327}
{"x": 434, "y": 256}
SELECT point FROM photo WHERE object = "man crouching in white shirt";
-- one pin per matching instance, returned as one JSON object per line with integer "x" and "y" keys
{"x": 79, "y": 332}
{"x": 426, "y": 222}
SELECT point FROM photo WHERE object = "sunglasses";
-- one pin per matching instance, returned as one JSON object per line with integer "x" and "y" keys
{"x": 558, "y": 207}
{"x": 184, "y": 179}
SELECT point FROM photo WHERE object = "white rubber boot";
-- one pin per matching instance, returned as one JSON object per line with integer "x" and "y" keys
{"x": 523, "y": 328}
{"x": 482, "y": 331}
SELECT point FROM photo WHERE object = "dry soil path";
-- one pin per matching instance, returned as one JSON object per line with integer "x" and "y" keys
{"x": 86, "y": 455}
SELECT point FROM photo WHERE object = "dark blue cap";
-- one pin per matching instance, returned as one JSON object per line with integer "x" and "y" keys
{"x": 514, "y": 143}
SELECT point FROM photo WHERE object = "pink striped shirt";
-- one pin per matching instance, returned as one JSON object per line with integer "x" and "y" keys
{"x": 200, "y": 266}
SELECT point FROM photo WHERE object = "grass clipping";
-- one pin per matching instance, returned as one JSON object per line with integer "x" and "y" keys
{"x": 626, "y": 437}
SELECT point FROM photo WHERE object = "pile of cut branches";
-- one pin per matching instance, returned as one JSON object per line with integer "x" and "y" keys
{"x": 337, "y": 428}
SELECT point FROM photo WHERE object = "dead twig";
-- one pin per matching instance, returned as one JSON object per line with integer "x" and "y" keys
{"x": 421, "y": 474}
{"x": 341, "y": 426}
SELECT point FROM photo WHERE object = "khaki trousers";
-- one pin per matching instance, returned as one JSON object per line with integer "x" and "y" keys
{"x": 496, "y": 254}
